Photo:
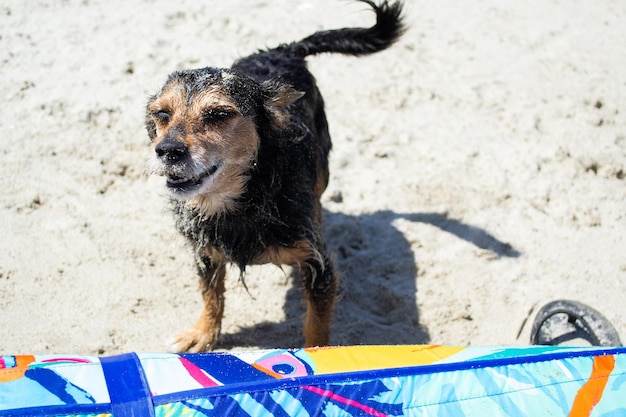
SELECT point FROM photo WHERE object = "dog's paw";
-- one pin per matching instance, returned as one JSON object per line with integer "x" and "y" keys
{"x": 194, "y": 340}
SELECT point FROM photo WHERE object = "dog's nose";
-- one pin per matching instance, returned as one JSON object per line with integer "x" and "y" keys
{"x": 171, "y": 150}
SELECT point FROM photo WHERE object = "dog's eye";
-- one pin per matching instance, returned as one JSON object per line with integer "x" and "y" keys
{"x": 217, "y": 115}
{"x": 161, "y": 116}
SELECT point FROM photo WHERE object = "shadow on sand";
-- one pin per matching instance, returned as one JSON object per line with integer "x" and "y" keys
{"x": 377, "y": 301}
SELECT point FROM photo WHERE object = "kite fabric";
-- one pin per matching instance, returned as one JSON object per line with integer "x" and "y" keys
{"x": 420, "y": 380}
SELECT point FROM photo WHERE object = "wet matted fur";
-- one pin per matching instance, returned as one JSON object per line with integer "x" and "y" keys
{"x": 245, "y": 154}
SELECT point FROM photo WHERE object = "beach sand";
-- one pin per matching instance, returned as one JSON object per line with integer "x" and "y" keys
{"x": 477, "y": 172}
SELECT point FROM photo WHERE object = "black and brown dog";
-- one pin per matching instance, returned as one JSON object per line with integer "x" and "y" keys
{"x": 245, "y": 154}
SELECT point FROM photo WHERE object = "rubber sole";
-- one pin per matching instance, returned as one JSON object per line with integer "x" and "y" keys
{"x": 565, "y": 322}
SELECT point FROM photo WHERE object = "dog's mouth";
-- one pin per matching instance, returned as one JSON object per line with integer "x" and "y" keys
{"x": 184, "y": 184}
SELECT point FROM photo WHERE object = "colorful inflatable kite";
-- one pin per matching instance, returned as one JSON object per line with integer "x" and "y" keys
{"x": 416, "y": 380}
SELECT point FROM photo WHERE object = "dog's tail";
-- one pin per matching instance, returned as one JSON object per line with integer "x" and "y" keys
{"x": 356, "y": 41}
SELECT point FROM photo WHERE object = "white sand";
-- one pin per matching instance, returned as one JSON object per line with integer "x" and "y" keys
{"x": 480, "y": 161}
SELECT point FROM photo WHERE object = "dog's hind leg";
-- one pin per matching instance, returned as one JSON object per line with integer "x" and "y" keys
{"x": 203, "y": 335}
{"x": 320, "y": 287}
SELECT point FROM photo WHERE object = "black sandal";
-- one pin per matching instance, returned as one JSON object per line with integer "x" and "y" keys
{"x": 563, "y": 321}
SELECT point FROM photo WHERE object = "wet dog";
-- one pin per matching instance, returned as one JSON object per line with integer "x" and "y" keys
{"x": 244, "y": 152}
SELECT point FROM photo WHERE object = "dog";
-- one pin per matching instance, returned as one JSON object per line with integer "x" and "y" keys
{"x": 244, "y": 151}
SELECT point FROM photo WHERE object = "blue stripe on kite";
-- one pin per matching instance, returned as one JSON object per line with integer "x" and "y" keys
{"x": 128, "y": 389}
{"x": 57, "y": 410}
{"x": 226, "y": 368}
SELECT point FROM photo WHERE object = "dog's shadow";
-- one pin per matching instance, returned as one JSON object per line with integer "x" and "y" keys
{"x": 377, "y": 302}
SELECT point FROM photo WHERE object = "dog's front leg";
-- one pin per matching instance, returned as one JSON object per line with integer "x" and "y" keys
{"x": 320, "y": 287}
{"x": 203, "y": 335}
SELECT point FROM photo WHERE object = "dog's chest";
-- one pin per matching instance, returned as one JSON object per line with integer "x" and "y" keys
{"x": 240, "y": 239}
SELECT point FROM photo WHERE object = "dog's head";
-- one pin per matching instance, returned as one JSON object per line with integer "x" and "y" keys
{"x": 204, "y": 127}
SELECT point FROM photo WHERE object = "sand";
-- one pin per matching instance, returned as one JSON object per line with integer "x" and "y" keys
{"x": 477, "y": 172}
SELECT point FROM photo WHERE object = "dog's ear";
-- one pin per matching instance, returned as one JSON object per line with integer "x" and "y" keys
{"x": 279, "y": 97}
